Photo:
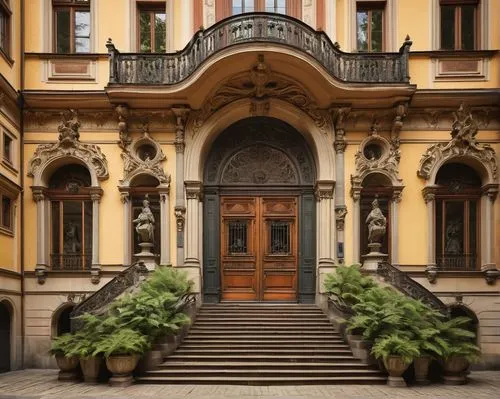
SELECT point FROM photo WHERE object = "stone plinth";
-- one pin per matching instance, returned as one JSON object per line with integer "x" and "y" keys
{"x": 372, "y": 259}
{"x": 146, "y": 255}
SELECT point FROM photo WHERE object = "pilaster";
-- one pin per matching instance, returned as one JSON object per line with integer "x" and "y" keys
{"x": 326, "y": 222}
{"x": 193, "y": 196}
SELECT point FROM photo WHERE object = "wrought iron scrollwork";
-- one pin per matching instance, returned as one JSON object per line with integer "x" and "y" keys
{"x": 172, "y": 68}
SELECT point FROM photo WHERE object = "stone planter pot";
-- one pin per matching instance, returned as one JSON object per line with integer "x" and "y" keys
{"x": 67, "y": 367}
{"x": 122, "y": 367}
{"x": 90, "y": 368}
{"x": 395, "y": 367}
{"x": 421, "y": 365}
{"x": 351, "y": 338}
{"x": 455, "y": 368}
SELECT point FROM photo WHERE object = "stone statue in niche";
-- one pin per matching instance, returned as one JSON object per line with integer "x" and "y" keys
{"x": 453, "y": 234}
{"x": 145, "y": 223}
{"x": 377, "y": 223}
{"x": 71, "y": 240}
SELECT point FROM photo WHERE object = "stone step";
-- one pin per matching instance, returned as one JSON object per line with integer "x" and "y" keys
{"x": 262, "y": 331}
{"x": 254, "y": 336}
{"x": 252, "y": 372}
{"x": 274, "y": 328}
{"x": 354, "y": 364}
{"x": 259, "y": 322}
{"x": 261, "y": 345}
{"x": 259, "y": 351}
{"x": 263, "y": 358}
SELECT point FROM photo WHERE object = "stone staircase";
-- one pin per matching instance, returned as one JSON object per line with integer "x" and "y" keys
{"x": 262, "y": 344}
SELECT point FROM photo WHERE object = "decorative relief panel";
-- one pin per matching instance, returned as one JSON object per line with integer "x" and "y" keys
{"x": 463, "y": 144}
{"x": 260, "y": 84}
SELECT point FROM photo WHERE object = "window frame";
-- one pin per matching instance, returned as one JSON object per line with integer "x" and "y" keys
{"x": 224, "y": 8}
{"x": 9, "y": 160}
{"x": 458, "y": 5}
{"x": 73, "y": 6}
{"x": 370, "y": 6}
{"x": 6, "y": 12}
{"x": 151, "y": 8}
{"x": 9, "y": 229}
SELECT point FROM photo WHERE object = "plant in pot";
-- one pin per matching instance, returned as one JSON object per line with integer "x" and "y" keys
{"x": 459, "y": 349}
{"x": 397, "y": 354}
{"x": 122, "y": 350}
{"x": 67, "y": 363}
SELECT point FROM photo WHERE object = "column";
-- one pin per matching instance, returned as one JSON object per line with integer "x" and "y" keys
{"x": 324, "y": 196}
{"x": 165, "y": 227}
{"x": 41, "y": 236}
{"x": 193, "y": 196}
{"x": 95, "y": 270}
{"x": 127, "y": 234}
{"x": 181, "y": 114}
{"x": 430, "y": 201}
{"x": 356, "y": 196}
{"x": 489, "y": 196}
{"x": 396, "y": 199}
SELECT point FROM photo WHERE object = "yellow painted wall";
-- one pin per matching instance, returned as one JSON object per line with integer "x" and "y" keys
{"x": 6, "y": 252}
{"x": 413, "y": 19}
{"x": 30, "y": 215}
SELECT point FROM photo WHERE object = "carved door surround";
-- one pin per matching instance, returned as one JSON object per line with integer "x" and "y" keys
{"x": 259, "y": 161}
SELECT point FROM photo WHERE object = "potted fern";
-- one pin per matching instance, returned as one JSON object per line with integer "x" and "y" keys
{"x": 67, "y": 363}
{"x": 397, "y": 354}
{"x": 122, "y": 350}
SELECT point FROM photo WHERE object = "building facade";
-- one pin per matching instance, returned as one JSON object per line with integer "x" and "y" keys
{"x": 261, "y": 132}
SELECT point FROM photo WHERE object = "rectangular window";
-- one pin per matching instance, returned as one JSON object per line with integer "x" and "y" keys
{"x": 241, "y": 6}
{"x": 279, "y": 238}
{"x": 459, "y": 24}
{"x": 6, "y": 215}
{"x": 370, "y": 26}
{"x": 7, "y": 148}
{"x": 237, "y": 237}
{"x": 277, "y": 6}
{"x": 71, "y": 26}
{"x": 152, "y": 28}
{"x": 5, "y": 14}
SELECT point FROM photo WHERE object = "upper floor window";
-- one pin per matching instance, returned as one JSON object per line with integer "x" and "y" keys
{"x": 5, "y": 14}
{"x": 6, "y": 212}
{"x": 459, "y": 24}
{"x": 240, "y": 6}
{"x": 370, "y": 26}
{"x": 277, "y": 6}
{"x": 7, "y": 150}
{"x": 152, "y": 28}
{"x": 71, "y": 26}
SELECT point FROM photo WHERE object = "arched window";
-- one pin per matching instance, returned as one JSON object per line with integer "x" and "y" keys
{"x": 457, "y": 217}
{"x": 5, "y": 333}
{"x": 61, "y": 320}
{"x": 71, "y": 218}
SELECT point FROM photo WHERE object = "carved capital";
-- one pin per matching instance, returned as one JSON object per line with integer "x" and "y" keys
{"x": 193, "y": 190}
{"x": 124, "y": 197}
{"x": 181, "y": 113}
{"x": 164, "y": 195}
{"x": 38, "y": 194}
{"x": 491, "y": 191}
{"x": 340, "y": 214}
{"x": 428, "y": 195}
{"x": 397, "y": 196}
{"x": 340, "y": 146}
{"x": 180, "y": 217}
{"x": 179, "y": 147}
{"x": 324, "y": 189}
{"x": 96, "y": 194}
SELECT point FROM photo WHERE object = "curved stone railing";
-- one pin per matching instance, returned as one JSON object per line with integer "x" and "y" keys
{"x": 410, "y": 287}
{"x": 172, "y": 68}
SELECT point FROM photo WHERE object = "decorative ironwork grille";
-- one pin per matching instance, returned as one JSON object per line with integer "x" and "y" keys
{"x": 457, "y": 262}
{"x": 279, "y": 238}
{"x": 237, "y": 237}
{"x": 70, "y": 262}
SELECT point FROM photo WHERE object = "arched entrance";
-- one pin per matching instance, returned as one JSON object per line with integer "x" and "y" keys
{"x": 259, "y": 214}
{"x": 5, "y": 332}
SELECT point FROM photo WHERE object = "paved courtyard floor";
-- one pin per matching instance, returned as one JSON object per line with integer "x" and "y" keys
{"x": 43, "y": 384}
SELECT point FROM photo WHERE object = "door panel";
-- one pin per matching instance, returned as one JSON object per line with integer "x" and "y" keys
{"x": 259, "y": 248}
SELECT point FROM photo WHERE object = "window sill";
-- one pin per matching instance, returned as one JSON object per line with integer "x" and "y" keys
{"x": 6, "y": 231}
{"x": 6, "y": 57}
{"x": 455, "y": 53}
{"x": 10, "y": 166}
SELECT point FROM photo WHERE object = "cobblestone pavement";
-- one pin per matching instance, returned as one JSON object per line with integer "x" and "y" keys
{"x": 43, "y": 384}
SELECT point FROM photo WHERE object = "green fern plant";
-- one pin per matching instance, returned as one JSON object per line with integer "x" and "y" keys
{"x": 122, "y": 342}
{"x": 394, "y": 345}
{"x": 456, "y": 340}
{"x": 62, "y": 345}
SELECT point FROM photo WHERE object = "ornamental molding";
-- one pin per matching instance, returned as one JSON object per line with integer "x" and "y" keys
{"x": 260, "y": 84}
{"x": 340, "y": 214}
{"x": 69, "y": 146}
{"x": 462, "y": 145}
{"x": 324, "y": 190}
{"x": 339, "y": 116}
{"x": 142, "y": 156}
{"x": 180, "y": 218}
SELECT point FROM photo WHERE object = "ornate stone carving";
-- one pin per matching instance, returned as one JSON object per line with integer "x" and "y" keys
{"x": 324, "y": 190}
{"x": 180, "y": 217}
{"x": 259, "y": 164}
{"x": 339, "y": 117}
{"x": 262, "y": 84}
{"x": 69, "y": 145}
{"x": 397, "y": 124}
{"x": 377, "y": 223}
{"x": 463, "y": 144}
{"x": 145, "y": 223}
{"x": 143, "y": 156}
{"x": 181, "y": 114}
{"x": 123, "y": 114}
{"x": 340, "y": 214}
{"x": 193, "y": 190}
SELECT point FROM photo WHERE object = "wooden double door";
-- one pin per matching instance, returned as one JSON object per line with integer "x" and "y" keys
{"x": 259, "y": 243}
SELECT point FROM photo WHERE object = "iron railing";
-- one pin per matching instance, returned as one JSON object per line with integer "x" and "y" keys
{"x": 65, "y": 262}
{"x": 456, "y": 262}
{"x": 172, "y": 68}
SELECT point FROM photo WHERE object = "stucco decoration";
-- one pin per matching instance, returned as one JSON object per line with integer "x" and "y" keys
{"x": 340, "y": 214}
{"x": 69, "y": 146}
{"x": 463, "y": 144}
{"x": 260, "y": 84}
{"x": 143, "y": 156}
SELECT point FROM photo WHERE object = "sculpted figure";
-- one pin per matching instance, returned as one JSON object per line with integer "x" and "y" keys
{"x": 377, "y": 223}
{"x": 145, "y": 223}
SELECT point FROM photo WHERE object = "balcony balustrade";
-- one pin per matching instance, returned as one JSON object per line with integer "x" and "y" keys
{"x": 74, "y": 262}
{"x": 457, "y": 262}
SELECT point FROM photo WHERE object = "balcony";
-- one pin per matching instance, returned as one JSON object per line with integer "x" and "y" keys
{"x": 74, "y": 262}
{"x": 173, "y": 68}
{"x": 457, "y": 262}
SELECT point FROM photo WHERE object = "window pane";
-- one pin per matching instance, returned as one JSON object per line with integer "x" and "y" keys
{"x": 7, "y": 148}
{"x": 278, "y": 6}
{"x": 55, "y": 230}
{"x": 454, "y": 228}
{"x": 6, "y": 212}
{"x": 237, "y": 237}
{"x": 468, "y": 41}
{"x": 448, "y": 27}
{"x": 279, "y": 238}
{"x": 248, "y": 6}
{"x": 362, "y": 30}
{"x": 82, "y": 24}
{"x": 145, "y": 32}
{"x": 63, "y": 31}
{"x": 87, "y": 231}
{"x": 237, "y": 7}
{"x": 4, "y": 34}
{"x": 376, "y": 30}
{"x": 72, "y": 227}
{"x": 160, "y": 32}
{"x": 472, "y": 227}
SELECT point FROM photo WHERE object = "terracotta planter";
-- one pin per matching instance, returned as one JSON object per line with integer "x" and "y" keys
{"x": 455, "y": 368}
{"x": 422, "y": 364}
{"x": 90, "y": 368}
{"x": 67, "y": 367}
{"x": 395, "y": 367}
{"x": 122, "y": 367}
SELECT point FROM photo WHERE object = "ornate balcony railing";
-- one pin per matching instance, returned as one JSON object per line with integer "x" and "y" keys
{"x": 172, "y": 68}
{"x": 457, "y": 262}
{"x": 65, "y": 262}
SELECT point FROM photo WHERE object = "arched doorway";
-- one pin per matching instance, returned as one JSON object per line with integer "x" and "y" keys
{"x": 61, "y": 320}
{"x": 5, "y": 337}
{"x": 259, "y": 214}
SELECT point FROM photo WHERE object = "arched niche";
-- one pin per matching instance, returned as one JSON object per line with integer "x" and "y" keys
{"x": 61, "y": 319}
{"x": 6, "y": 335}
{"x": 260, "y": 157}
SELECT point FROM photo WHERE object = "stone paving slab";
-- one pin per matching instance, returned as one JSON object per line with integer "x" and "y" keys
{"x": 43, "y": 384}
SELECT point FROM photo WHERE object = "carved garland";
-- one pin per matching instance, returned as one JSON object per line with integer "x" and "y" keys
{"x": 260, "y": 84}
{"x": 69, "y": 145}
{"x": 463, "y": 144}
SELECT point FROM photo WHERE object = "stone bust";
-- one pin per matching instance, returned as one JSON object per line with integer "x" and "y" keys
{"x": 377, "y": 223}
{"x": 145, "y": 223}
